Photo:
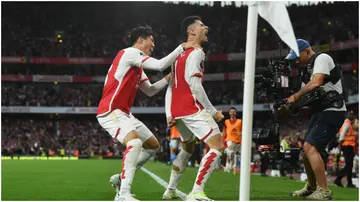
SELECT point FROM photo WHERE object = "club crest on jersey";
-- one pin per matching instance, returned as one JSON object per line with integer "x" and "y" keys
{"x": 142, "y": 54}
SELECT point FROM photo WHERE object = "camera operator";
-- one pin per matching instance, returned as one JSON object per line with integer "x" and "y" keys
{"x": 324, "y": 123}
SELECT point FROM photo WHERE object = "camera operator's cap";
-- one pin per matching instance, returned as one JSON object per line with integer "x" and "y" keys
{"x": 302, "y": 45}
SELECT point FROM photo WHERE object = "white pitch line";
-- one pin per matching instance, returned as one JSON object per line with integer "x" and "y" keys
{"x": 163, "y": 183}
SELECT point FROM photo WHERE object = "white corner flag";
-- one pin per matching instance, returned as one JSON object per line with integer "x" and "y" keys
{"x": 276, "y": 14}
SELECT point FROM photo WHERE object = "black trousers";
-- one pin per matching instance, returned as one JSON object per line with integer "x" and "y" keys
{"x": 196, "y": 155}
{"x": 348, "y": 152}
{"x": 285, "y": 166}
{"x": 264, "y": 162}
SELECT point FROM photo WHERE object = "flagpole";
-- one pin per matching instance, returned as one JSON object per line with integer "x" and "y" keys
{"x": 251, "y": 36}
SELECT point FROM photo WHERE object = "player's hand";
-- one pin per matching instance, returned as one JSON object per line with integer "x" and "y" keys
{"x": 190, "y": 44}
{"x": 171, "y": 121}
{"x": 167, "y": 77}
{"x": 218, "y": 116}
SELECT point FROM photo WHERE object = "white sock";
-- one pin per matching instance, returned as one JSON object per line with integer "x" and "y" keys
{"x": 180, "y": 161}
{"x": 174, "y": 179}
{"x": 234, "y": 161}
{"x": 227, "y": 165}
{"x": 145, "y": 155}
{"x": 130, "y": 156}
{"x": 231, "y": 159}
{"x": 207, "y": 166}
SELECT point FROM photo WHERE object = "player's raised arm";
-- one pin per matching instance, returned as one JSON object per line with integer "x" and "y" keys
{"x": 151, "y": 63}
{"x": 151, "y": 89}
{"x": 162, "y": 64}
{"x": 142, "y": 46}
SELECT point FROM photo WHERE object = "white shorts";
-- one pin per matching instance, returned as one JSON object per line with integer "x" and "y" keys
{"x": 201, "y": 125}
{"x": 236, "y": 147}
{"x": 118, "y": 124}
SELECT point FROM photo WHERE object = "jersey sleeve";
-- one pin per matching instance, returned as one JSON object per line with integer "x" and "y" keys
{"x": 346, "y": 126}
{"x": 151, "y": 89}
{"x": 194, "y": 64}
{"x": 194, "y": 76}
{"x": 323, "y": 64}
{"x": 138, "y": 59}
{"x": 135, "y": 57}
{"x": 143, "y": 78}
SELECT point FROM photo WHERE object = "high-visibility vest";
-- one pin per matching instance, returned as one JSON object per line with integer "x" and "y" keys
{"x": 62, "y": 151}
{"x": 174, "y": 133}
{"x": 233, "y": 130}
{"x": 285, "y": 147}
{"x": 350, "y": 138}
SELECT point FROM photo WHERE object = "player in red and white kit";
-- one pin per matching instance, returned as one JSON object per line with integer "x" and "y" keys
{"x": 188, "y": 107}
{"x": 124, "y": 77}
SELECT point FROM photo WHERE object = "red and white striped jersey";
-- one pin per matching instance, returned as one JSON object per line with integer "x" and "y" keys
{"x": 126, "y": 74}
{"x": 183, "y": 101}
{"x": 122, "y": 81}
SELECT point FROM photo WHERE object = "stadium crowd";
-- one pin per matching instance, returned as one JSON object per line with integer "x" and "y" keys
{"x": 70, "y": 136}
{"x": 48, "y": 136}
{"x": 23, "y": 136}
{"x": 88, "y": 95}
{"x": 33, "y": 29}
{"x": 85, "y": 95}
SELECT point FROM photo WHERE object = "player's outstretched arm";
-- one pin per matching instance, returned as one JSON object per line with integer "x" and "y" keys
{"x": 151, "y": 89}
{"x": 147, "y": 62}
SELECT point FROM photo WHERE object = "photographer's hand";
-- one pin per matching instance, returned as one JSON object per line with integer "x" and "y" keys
{"x": 291, "y": 99}
{"x": 316, "y": 81}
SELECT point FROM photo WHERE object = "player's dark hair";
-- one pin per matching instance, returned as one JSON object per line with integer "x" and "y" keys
{"x": 142, "y": 31}
{"x": 232, "y": 108}
{"x": 187, "y": 22}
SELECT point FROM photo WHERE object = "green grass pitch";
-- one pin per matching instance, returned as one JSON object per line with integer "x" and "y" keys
{"x": 88, "y": 180}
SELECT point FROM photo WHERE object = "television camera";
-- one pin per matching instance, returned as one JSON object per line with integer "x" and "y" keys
{"x": 275, "y": 83}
